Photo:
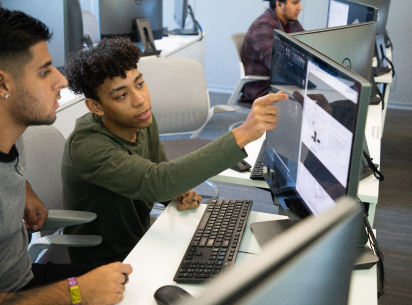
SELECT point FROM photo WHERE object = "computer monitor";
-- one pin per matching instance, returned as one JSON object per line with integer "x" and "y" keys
{"x": 353, "y": 47}
{"x": 181, "y": 11}
{"x": 383, "y": 12}
{"x": 309, "y": 264}
{"x": 343, "y": 12}
{"x": 323, "y": 140}
{"x": 315, "y": 152}
{"x": 117, "y": 18}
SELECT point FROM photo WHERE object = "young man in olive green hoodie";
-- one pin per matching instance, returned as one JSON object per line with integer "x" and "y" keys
{"x": 115, "y": 165}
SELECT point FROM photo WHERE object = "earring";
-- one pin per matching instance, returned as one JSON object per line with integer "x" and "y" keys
{"x": 6, "y": 95}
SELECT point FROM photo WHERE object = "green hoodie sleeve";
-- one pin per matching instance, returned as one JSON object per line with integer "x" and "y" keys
{"x": 105, "y": 163}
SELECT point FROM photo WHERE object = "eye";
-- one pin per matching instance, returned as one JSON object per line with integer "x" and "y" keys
{"x": 139, "y": 85}
{"x": 122, "y": 96}
{"x": 44, "y": 73}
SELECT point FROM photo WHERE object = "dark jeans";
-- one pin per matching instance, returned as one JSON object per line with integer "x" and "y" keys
{"x": 50, "y": 273}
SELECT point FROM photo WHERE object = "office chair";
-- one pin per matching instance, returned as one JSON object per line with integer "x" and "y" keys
{"x": 90, "y": 26}
{"x": 43, "y": 152}
{"x": 180, "y": 102}
{"x": 237, "y": 39}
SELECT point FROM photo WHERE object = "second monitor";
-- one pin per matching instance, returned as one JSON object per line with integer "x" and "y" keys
{"x": 343, "y": 12}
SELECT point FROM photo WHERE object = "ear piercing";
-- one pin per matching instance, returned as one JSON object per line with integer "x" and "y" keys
{"x": 6, "y": 95}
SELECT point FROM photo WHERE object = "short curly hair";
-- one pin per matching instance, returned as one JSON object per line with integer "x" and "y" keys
{"x": 87, "y": 69}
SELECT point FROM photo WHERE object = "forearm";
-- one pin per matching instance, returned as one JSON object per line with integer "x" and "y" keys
{"x": 54, "y": 294}
{"x": 168, "y": 180}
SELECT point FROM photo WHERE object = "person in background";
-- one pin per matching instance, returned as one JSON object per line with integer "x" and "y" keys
{"x": 256, "y": 53}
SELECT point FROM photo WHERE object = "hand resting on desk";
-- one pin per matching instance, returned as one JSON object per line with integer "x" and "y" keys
{"x": 190, "y": 201}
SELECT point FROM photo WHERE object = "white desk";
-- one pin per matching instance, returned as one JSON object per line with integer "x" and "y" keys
{"x": 156, "y": 257}
{"x": 73, "y": 107}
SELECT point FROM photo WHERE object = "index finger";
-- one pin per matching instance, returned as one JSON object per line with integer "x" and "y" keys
{"x": 271, "y": 98}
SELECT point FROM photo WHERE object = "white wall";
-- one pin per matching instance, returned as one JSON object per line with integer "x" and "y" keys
{"x": 52, "y": 14}
{"x": 220, "y": 19}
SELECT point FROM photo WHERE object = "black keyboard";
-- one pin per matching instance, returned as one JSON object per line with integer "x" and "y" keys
{"x": 257, "y": 171}
{"x": 215, "y": 244}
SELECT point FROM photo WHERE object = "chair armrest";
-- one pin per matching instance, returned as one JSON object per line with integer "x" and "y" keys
{"x": 64, "y": 218}
{"x": 62, "y": 241}
{"x": 257, "y": 77}
{"x": 221, "y": 108}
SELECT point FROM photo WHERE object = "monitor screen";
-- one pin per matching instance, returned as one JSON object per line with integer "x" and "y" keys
{"x": 315, "y": 151}
{"x": 180, "y": 13}
{"x": 343, "y": 12}
{"x": 117, "y": 17}
{"x": 310, "y": 263}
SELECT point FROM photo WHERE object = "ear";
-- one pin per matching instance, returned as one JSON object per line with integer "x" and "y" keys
{"x": 94, "y": 106}
{"x": 5, "y": 79}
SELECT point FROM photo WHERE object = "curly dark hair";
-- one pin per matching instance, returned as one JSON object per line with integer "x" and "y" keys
{"x": 87, "y": 69}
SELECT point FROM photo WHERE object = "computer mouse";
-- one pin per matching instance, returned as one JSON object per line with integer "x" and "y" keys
{"x": 241, "y": 166}
{"x": 169, "y": 294}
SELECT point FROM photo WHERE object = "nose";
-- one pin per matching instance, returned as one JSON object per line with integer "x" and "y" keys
{"x": 299, "y": 7}
{"x": 137, "y": 98}
{"x": 60, "y": 81}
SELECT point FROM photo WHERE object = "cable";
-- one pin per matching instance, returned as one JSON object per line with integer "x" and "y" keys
{"x": 390, "y": 62}
{"x": 378, "y": 175}
{"x": 375, "y": 248}
{"x": 190, "y": 11}
{"x": 201, "y": 31}
{"x": 381, "y": 96}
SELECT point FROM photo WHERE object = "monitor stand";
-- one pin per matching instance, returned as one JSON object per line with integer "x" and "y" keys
{"x": 145, "y": 34}
{"x": 266, "y": 230}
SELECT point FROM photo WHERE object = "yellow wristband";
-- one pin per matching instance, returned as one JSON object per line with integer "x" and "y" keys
{"x": 74, "y": 291}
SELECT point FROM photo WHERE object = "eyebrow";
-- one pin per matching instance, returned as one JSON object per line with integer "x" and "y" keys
{"x": 123, "y": 87}
{"x": 49, "y": 63}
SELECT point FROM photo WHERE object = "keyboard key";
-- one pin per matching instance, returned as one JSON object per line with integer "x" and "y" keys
{"x": 210, "y": 243}
{"x": 202, "y": 242}
{"x": 185, "y": 275}
{"x": 202, "y": 276}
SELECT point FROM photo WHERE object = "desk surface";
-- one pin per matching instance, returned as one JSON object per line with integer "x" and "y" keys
{"x": 156, "y": 257}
